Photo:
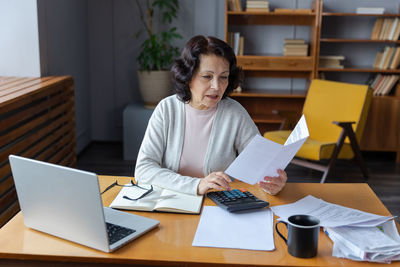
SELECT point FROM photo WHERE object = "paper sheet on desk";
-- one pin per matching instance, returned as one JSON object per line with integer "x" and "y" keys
{"x": 330, "y": 215}
{"x": 263, "y": 157}
{"x": 222, "y": 229}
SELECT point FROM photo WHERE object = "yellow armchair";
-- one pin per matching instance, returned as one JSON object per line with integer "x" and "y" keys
{"x": 336, "y": 114}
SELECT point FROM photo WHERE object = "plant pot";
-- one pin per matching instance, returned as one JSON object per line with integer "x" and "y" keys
{"x": 154, "y": 86}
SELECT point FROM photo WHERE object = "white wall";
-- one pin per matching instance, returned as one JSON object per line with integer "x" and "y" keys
{"x": 19, "y": 38}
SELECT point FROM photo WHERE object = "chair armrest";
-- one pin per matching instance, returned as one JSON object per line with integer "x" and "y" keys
{"x": 290, "y": 118}
{"x": 347, "y": 129}
{"x": 343, "y": 123}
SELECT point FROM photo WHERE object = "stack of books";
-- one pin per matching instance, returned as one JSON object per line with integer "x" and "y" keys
{"x": 257, "y": 5}
{"x": 389, "y": 58}
{"x": 234, "y": 5}
{"x": 370, "y": 10}
{"x": 334, "y": 62}
{"x": 295, "y": 47}
{"x": 383, "y": 84}
{"x": 386, "y": 29}
{"x": 236, "y": 41}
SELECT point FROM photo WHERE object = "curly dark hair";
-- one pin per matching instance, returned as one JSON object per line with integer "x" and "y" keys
{"x": 186, "y": 65}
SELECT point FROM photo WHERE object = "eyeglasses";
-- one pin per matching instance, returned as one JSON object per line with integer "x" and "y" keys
{"x": 145, "y": 193}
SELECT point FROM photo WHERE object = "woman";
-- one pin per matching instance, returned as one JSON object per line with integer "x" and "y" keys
{"x": 193, "y": 136}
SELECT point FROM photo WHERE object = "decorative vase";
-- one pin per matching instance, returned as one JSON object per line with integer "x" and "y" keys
{"x": 154, "y": 86}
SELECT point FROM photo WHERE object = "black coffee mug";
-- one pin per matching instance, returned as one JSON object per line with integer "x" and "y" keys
{"x": 303, "y": 233}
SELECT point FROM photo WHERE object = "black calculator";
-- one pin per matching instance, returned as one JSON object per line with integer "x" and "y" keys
{"x": 236, "y": 200}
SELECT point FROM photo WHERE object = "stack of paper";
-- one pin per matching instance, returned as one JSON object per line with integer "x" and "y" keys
{"x": 375, "y": 244}
{"x": 250, "y": 230}
{"x": 357, "y": 235}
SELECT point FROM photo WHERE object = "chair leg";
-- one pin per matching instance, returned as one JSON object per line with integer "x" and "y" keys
{"x": 357, "y": 152}
{"x": 334, "y": 156}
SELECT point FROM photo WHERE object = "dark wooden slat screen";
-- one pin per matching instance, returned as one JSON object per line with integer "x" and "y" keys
{"x": 37, "y": 120}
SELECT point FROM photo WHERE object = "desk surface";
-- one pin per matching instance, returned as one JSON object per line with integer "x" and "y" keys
{"x": 171, "y": 242}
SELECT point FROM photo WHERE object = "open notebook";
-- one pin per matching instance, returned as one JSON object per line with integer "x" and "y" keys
{"x": 174, "y": 201}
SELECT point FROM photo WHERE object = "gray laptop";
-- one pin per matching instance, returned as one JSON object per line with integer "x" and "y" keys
{"x": 66, "y": 203}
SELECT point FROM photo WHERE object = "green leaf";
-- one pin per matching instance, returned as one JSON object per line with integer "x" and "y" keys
{"x": 157, "y": 51}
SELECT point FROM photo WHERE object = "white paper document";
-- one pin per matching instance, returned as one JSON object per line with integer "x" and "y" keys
{"x": 263, "y": 157}
{"x": 220, "y": 228}
{"x": 375, "y": 244}
{"x": 330, "y": 215}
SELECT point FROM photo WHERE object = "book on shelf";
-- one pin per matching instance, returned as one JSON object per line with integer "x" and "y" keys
{"x": 241, "y": 46}
{"x": 295, "y": 47}
{"x": 334, "y": 62}
{"x": 234, "y": 5}
{"x": 388, "y": 58}
{"x": 391, "y": 84}
{"x": 396, "y": 59}
{"x": 392, "y": 28}
{"x": 385, "y": 53}
{"x": 386, "y": 29}
{"x": 383, "y": 84}
{"x": 378, "y": 58}
{"x": 370, "y": 10}
{"x": 376, "y": 29}
{"x": 158, "y": 200}
{"x": 257, "y": 5}
{"x": 236, "y": 42}
{"x": 372, "y": 81}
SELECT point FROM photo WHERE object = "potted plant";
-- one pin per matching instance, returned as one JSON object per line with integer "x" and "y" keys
{"x": 157, "y": 50}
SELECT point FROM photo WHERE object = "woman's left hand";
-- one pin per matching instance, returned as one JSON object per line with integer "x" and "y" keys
{"x": 273, "y": 185}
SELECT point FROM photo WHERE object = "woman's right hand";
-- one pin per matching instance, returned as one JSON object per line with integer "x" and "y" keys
{"x": 215, "y": 180}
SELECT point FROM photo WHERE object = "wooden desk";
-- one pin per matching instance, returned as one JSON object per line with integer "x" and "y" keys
{"x": 171, "y": 243}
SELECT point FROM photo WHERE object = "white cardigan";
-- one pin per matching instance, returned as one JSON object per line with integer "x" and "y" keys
{"x": 159, "y": 155}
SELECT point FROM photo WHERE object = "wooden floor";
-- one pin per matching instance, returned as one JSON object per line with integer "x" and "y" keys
{"x": 107, "y": 158}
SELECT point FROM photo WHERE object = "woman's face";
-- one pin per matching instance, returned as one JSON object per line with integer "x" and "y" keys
{"x": 209, "y": 82}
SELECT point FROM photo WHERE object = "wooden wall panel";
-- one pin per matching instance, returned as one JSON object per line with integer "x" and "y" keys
{"x": 37, "y": 120}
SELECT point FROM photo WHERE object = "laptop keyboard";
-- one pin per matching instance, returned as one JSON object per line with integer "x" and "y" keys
{"x": 116, "y": 232}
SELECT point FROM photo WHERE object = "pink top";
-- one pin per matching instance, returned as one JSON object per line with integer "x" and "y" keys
{"x": 198, "y": 124}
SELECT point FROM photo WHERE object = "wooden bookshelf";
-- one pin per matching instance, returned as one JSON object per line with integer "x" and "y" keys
{"x": 383, "y": 123}
{"x": 263, "y": 105}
